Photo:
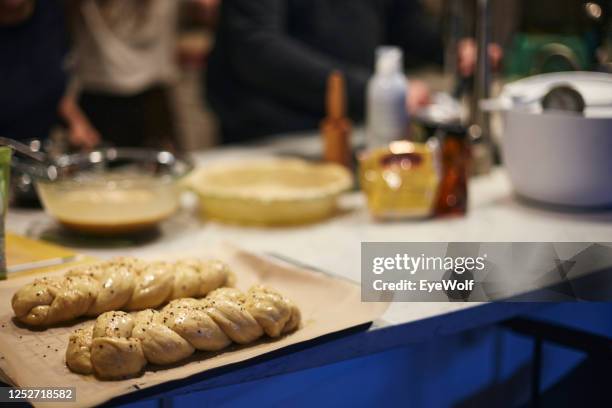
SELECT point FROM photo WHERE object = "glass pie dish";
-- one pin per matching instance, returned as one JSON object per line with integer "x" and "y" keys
{"x": 269, "y": 192}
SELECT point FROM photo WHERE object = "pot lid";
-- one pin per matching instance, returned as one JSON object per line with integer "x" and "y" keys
{"x": 527, "y": 94}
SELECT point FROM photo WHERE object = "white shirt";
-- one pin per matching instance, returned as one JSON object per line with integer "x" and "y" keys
{"x": 124, "y": 49}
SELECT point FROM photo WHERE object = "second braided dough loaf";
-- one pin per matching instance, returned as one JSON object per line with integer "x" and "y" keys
{"x": 119, "y": 345}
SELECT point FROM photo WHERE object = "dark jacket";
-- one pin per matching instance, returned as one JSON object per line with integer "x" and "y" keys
{"x": 268, "y": 70}
{"x": 32, "y": 74}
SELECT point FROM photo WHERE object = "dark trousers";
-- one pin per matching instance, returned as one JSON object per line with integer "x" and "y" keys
{"x": 141, "y": 120}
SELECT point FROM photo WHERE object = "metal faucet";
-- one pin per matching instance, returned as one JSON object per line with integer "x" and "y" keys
{"x": 607, "y": 63}
{"x": 480, "y": 129}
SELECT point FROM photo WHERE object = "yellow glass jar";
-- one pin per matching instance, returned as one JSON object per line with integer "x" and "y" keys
{"x": 401, "y": 180}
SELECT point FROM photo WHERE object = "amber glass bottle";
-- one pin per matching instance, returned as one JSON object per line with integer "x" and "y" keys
{"x": 453, "y": 191}
{"x": 336, "y": 127}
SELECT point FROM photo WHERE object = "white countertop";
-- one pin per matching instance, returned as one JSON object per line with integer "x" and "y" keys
{"x": 334, "y": 245}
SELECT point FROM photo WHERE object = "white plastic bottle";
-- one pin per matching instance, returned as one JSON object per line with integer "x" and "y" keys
{"x": 386, "y": 116}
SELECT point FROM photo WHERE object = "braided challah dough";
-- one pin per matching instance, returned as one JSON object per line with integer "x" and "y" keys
{"x": 118, "y": 284}
{"x": 119, "y": 344}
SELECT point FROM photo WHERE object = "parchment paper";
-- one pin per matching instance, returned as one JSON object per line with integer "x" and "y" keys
{"x": 36, "y": 358}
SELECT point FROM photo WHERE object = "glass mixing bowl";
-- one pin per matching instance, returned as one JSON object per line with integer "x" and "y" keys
{"x": 113, "y": 191}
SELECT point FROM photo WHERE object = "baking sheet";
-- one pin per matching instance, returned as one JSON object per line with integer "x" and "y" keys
{"x": 36, "y": 358}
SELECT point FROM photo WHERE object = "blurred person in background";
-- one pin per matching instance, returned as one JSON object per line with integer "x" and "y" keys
{"x": 267, "y": 73}
{"x": 124, "y": 66}
{"x": 33, "y": 78}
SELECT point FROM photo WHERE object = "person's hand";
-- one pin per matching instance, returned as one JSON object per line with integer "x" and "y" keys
{"x": 419, "y": 95}
{"x": 80, "y": 131}
{"x": 207, "y": 4}
{"x": 15, "y": 11}
{"x": 82, "y": 134}
{"x": 206, "y": 11}
{"x": 467, "y": 53}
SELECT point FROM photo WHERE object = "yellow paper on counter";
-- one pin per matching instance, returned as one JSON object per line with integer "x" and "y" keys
{"x": 27, "y": 256}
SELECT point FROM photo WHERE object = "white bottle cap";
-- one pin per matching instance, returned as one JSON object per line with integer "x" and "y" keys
{"x": 389, "y": 60}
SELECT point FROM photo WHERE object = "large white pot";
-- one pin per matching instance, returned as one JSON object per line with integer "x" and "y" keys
{"x": 559, "y": 158}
